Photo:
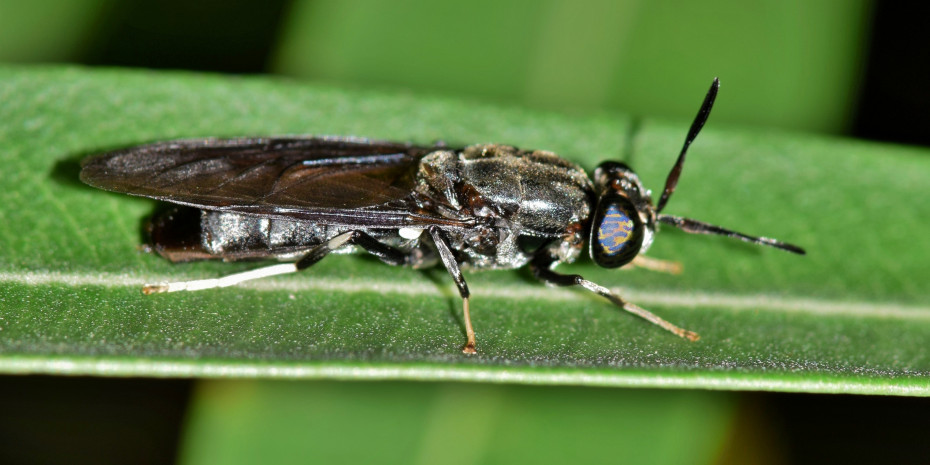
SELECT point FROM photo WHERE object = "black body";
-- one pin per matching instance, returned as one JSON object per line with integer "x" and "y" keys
{"x": 483, "y": 206}
{"x": 276, "y": 198}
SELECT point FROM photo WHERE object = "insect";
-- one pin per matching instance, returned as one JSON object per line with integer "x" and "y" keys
{"x": 483, "y": 206}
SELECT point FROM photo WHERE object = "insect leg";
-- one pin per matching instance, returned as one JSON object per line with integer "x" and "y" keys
{"x": 541, "y": 268}
{"x": 656, "y": 264}
{"x": 225, "y": 281}
{"x": 386, "y": 253}
{"x": 452, "y": 266}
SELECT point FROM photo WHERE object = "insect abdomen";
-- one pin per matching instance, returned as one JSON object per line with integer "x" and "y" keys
{"x": 184, "y": 234}
{"x": 176, "y": 235}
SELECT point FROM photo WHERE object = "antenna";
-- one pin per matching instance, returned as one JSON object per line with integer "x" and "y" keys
{"x": 699, "y": 227}
{"x": 672, "y": 180}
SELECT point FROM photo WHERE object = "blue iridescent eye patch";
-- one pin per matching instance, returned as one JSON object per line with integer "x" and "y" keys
{"x": 615, "y": 230}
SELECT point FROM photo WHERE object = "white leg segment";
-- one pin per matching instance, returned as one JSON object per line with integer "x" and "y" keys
{"x": 639, "y": 311}
{"x": 233, "y": 279}
{"x": 225, "y": 281}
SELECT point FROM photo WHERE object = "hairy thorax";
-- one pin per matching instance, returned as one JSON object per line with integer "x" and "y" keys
{"x": 519, "y": 200}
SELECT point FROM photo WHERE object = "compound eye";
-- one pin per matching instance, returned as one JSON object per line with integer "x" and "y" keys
{"x": 617, "y": 232}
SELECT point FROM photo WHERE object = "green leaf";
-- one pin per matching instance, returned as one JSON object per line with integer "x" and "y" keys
{"x": 234, "y": 422}
{"x": 633, "y": 55}
{"x": 852, "y": 316}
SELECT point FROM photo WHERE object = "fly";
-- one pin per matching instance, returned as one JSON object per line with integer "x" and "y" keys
{"x": 483, "y": 206}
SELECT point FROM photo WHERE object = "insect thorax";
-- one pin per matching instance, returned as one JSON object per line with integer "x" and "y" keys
{"x": 515, "y": 197}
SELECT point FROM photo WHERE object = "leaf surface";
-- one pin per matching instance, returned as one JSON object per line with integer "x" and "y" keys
{"x": 851, "y": 316}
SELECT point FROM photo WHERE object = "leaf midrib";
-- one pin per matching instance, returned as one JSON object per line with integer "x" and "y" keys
{"x": 678, "y": 299}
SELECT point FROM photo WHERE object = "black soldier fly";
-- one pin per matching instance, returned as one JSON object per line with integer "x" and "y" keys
{"x": 483, "y": 206}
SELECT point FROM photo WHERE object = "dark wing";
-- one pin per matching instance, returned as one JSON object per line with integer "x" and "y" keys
{"x": 332, "y": 180}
